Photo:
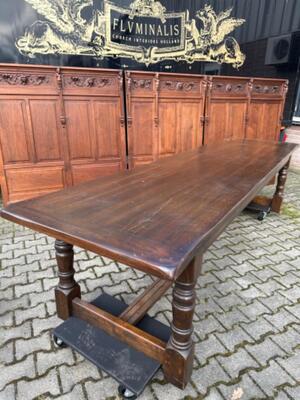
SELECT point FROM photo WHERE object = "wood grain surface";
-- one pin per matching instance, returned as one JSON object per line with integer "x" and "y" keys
{"x": 157, "y": 217}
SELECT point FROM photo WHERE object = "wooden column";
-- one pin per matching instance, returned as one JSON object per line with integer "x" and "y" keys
{"x": 278, "y": 195}
{"x": 179, "y": 354}
{"x": 67, "y": 288}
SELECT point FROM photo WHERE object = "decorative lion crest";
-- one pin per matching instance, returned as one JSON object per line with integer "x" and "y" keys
{"x": 64, "y": 30}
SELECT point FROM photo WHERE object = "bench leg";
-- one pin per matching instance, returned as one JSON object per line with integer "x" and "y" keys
{"x": 278, "y": 195}
{"x": 67, "y": 288}
{"x": 179, "y": 353}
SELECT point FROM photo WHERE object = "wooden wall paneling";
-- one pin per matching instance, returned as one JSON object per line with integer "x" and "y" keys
{"x": 226, "y": 109}
{"x": 142, "y": 117}
{"x": 266, "y": 108}
{"x": 94, "y": 122}
{"x": 164, "y": 114}
{"x": 181, "y": 112}
{"x": 30, "y": 141}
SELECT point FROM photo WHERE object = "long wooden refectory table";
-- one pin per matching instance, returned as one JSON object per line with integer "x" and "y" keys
{"x": 160, "y": 219}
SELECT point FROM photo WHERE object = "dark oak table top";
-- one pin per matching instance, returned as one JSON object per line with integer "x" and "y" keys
{"x": 158, "y": 216}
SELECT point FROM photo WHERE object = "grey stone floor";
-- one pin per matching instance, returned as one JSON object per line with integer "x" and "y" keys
{"x": 247, "y": 320}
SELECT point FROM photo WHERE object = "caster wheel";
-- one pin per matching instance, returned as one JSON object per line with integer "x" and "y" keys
{"x": 262, "y": 215}
{"x": 58, "y": 342}
{"x": 126, "y": 393}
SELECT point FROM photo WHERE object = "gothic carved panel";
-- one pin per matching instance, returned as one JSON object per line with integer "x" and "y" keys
{"x": 11, "y": 78}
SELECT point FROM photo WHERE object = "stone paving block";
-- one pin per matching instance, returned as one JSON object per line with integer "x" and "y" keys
{"x": 231, "y": 318}
{"x": 164, "y": 391}
{"x": 293, "y": 392}
{"x": 241, "y": 258}
{"x": 33, "y": 276}
{"x": 207, "y": 292}
{"x": 10, "y": 333}
{"x": 6, "y": 320}
{"x": 207, "y": 326}
{"x": 236, "y": 363}
{"x": 246, "y": 386}
{"x": 8, "y": 306}
{"x": 209, "y": 376}
{"x": 292, "y": 294}
{"x": 101, "y": 390}
{"x": 40, "y": 297}
{"x": 265, "y": 351}
{"x": 269, "y": 287}
{"x": 265, "y": 273}
{"x": 292, "y": 366}
{"x": 288, "y": 340}
{"x": 35, "y": 241}
{"x": 49, "y": 284}
{"x": 206, "y": 307}
{"x": 288, "y": 280}
{"x": 229, "y": 301}
{"x": 22, "y": 369}
{"x": 77, "y": 373}
{"x": 205, "y": 349}
{"x": 254, "y": 310}
{"x": 280, "y": 319}
{"x": 228, "y": 287}
{"x": 30, "y": 313}
{"x": 50, "y": 359}
{"x": 270, "y": 378}
{"x": 259, "y": 328}
{"x": 29, "y": 346}
{"x": 51, "y": 307}
{"x": 233, "y": 338}
{"x": 7, "y": 294}
{"x": 275, "y": 301}
{"x": 294, "y": 309}
{"x": 251, "y": 293}
{"x": 28, "y": 390}
{"x": 18, "y": 280}
{"x": 207, "y": 279}
{"x": 41, "y": 325}
{"x": 6, "y": 354}
{"x": 259, "y": 264}
{"x": 104, "y": 281}
{"x": 8, "y": 393}
{"x": 35, "y": 287}
{"x": 75, "y": 394}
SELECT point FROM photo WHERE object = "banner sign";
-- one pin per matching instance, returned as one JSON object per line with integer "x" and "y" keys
{"x": 145, "y": 32}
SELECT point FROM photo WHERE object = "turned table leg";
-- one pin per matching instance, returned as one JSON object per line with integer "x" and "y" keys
{"x": 278, "y": 195}
{"x": 179, "y": 354}
{"x": 67, "y": 288}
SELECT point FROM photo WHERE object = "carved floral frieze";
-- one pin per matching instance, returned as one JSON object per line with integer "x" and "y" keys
{"x": 142, "y": 83}
{"x": 87, "y": 81}
{"x": 266, "y": 89}
{"x": 12, "y": 78}
{"x": 223, "y": 87}
{"x": 179, "y": 86}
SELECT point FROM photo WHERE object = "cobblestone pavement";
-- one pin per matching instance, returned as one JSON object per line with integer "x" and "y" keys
{"x": 247, "y": 320}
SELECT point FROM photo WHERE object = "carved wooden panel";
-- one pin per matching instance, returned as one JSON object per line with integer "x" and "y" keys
{"x": 44, "y": 118}
{"x": 238, "y": 108}
{"x": 95, "y": 122}
{"x": 14, "y": 131}
{"x": 265, "y": 108}
{"x": 165, "y": 114}
{"x": 58, "y": 127}
{"x": 62, "y": 126}
{"x": 31, "y": 146}
{"x": 24, "y": 183}
{"x": 226, "y": 109}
